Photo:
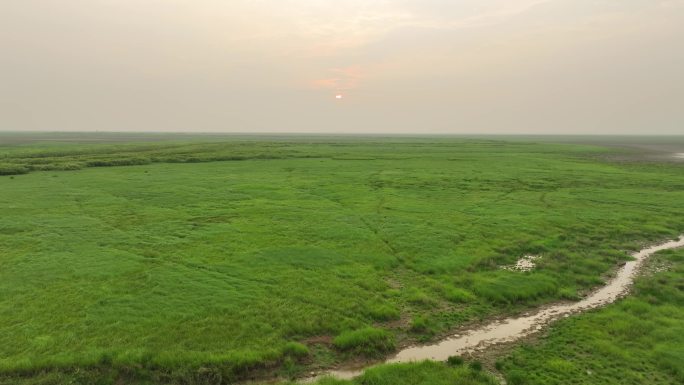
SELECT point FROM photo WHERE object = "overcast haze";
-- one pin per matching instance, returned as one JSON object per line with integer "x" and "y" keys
{"x": 404, "y": 66}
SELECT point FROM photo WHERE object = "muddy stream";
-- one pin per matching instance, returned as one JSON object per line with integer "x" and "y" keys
{"x": 512, "y": 329}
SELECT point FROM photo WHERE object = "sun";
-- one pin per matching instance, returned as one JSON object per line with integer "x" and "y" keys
{"x": 338, "y": 96}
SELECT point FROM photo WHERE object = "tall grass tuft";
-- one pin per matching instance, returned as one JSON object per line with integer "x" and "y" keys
{"x": 368, "y": 341}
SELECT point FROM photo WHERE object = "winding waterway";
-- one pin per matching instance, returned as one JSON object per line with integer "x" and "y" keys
{"x": 512, "y": 329}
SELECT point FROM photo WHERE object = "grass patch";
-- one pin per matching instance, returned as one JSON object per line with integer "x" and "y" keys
{"x": 367, "y": 341}
{"x": 295, "y": 349}
{"x": 424, "y": 373}
{"x": 511, "y": 287}
{"x": 383, "y": 312}
{"x": 421, "y": 373}
{"x": 635, "y": 341}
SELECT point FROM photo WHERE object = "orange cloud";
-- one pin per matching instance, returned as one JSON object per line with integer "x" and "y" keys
{"x": 341, "y": 79}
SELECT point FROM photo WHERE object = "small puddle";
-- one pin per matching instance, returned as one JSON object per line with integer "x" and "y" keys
{"x": 511, "y": 329}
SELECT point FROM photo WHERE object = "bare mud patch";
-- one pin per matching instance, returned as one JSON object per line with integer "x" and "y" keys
{"x": 523, "y": 264}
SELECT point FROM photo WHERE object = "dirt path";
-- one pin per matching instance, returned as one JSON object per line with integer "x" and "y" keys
{"x": 512, "y": 329}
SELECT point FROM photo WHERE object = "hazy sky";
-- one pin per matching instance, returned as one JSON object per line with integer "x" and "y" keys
{"x": 405, "y": 66}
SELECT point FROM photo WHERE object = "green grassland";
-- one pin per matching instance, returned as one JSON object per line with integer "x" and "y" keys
{"x": 639, "y": 340}
{"x": 422, "y": 373}
{"x": 199, "y": 259}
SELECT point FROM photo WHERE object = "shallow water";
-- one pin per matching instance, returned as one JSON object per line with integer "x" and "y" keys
{"x": 511, "y": 329}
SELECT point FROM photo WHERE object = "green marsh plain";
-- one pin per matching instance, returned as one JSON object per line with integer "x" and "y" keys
{"x": 217, "y": 259}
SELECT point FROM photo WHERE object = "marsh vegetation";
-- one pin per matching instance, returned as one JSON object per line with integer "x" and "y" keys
{"x": 212, "y": 261}
{"x": 638, "y": 340}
